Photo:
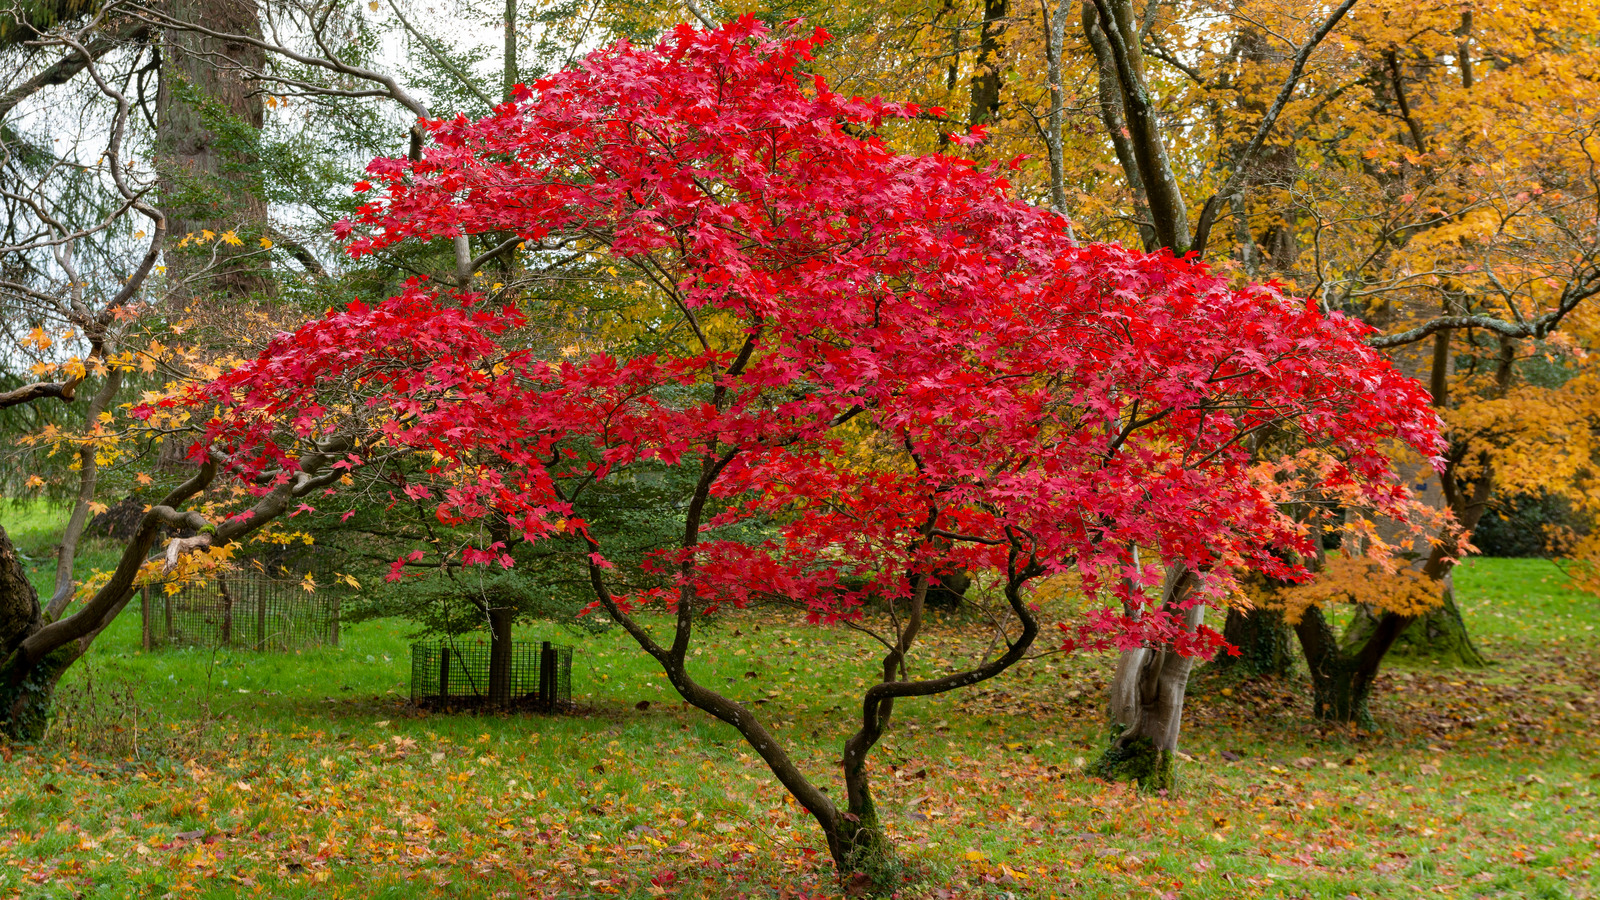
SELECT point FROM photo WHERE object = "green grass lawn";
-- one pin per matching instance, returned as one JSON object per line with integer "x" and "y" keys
{"x": 191, "y": 773}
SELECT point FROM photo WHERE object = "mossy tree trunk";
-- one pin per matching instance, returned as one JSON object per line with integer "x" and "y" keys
{"x": 35, "y": 653}
{"x": 1147, "y": 696}
{"x": 209, "y": 112}
{"x": 1265, "y": 643}
{"x": 1438, "y": 636}
{"x": 20, "y": 617}
{"x": 1441, "y": 634}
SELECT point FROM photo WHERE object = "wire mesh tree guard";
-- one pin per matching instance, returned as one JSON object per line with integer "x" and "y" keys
{"x": 247, "y": 610}
{"x": 456, "y": 674}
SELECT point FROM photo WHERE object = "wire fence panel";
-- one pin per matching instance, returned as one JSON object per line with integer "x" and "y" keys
{"x": 246, "y": 610}
{"x": 460, "y": 674}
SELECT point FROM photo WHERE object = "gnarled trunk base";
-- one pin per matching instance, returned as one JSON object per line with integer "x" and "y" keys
{"x": 27, "y": 691}
{"x": 1340, "y": 697}
{"x": 1139, "y": 761}
{"x": 1147, "y": 696}
{"x": 1342, "y": 678}
{"x": 863, "y": 853}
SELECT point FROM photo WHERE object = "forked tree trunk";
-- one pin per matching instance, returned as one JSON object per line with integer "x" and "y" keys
{"x": 28, "y": 674}
{"x": 37, "y": 653}
{"x": 1147, "y": 696}
{"x": 1341, "y": 679}
{"x": 1438, "y": 636}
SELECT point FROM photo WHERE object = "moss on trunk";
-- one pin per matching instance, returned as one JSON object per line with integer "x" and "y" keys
{"x": 1439, "y": 636}
{"x": 1138, "y": 761}
{"x": 1264, "y": 641}
{"x": 27, "y": 691}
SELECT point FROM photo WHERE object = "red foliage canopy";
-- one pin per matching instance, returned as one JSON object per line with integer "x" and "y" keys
{"x": 1046, "y": 407}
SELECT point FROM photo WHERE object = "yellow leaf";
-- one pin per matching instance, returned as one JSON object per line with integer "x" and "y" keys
{"x": 207, "y": 234}
{"x": 266, "y": 244}
{"x": 33, "y": 483}
{"x": 231, "y": 239}
{"x": 96, "y": 507}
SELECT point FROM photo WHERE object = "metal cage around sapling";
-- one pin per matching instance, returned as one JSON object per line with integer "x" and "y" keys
{"x": 456, "y": 674}
{"x": 243, "y": 610}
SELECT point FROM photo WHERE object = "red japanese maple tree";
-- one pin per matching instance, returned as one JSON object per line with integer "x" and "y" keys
{"x": 1036, "y": 407}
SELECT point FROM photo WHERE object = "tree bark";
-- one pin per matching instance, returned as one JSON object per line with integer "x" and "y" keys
{"x": 1115, "y": 22}
{"x": 37, "y": 656}
{"x": 856, "y": 839}
{"x": 1115, "y": 122}
{"x": 206, "y": 176}
{"x": 1341, "y": 678}
{"x": 20, "y": 615}
{"x": 1147, "y": 696}
{"x": 500, "y": 646}
{"x": 1263, "y": 639}
{"x": 1438, "y": 636}
{"x": 985, "y": 105}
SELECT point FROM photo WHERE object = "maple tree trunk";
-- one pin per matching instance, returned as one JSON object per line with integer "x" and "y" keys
{"x": 88, "y": 479}
{"x": 35, "y": 657}
{"x": 1147, "y": 696}
{"x": 1438, "y": 635}
{"x": 19, "y": 602}
{"x": 20, "y": 617}
{"x": 1263, "y": 639}
{"x": 500, "y": 644}
{"x": 38, "y": 652}
{"x": 1341, "y": 679}
{"x": 858, "y": 844}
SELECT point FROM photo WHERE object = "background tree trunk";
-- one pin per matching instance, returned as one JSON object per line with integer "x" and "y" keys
{"x": 208, "y": 183}
{"x": 500, "y": 645}
{"x": 1438, "y": 636}
{"x": 1264, "y": 640}
{"x": 985, "y": 105}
